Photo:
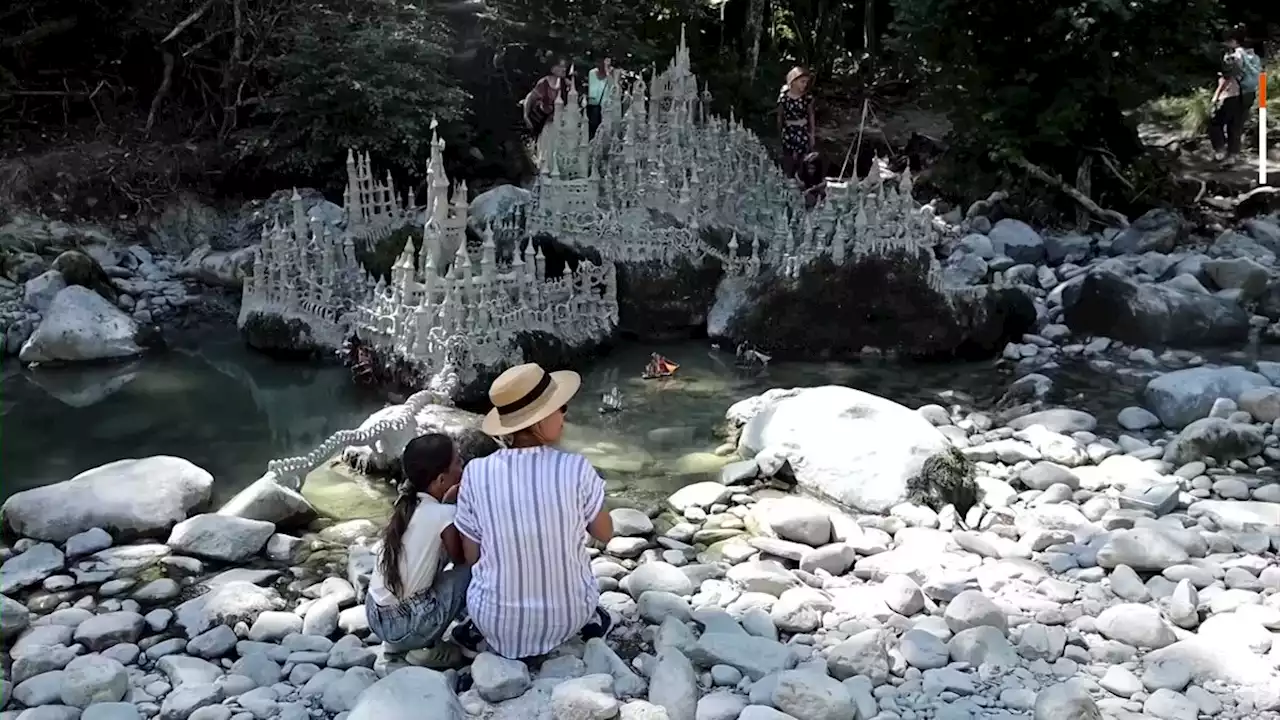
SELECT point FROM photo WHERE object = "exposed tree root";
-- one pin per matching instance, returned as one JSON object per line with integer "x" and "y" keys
{"x": 1044, "y": 176}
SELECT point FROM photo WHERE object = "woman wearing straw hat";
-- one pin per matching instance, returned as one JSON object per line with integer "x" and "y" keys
{"x": 523, "y": 513}
{"x": 796, "y": 123}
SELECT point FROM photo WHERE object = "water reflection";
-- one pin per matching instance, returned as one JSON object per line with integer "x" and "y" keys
{"x": 230, "y": 410}
{"x": 214, "y": 403}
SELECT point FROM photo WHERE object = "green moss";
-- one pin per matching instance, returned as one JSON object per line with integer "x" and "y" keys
{"x": 946, "y": 478}
{"x": 378, "y": 257}
{"x": 151, "y": 573}
{"x": 657, "y": 301}
{"x": 279, "y": 336}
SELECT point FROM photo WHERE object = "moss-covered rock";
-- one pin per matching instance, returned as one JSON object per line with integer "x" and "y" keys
{"x": 286, "y": 338}
{"x": 78, "y": 268}
{"x": 657, "y": 301}
{"x": 946, "y": 478}
{"x": 882, "y": 301}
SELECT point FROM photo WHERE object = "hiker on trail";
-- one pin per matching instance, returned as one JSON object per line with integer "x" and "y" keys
{"x": 524, "y": 513}
{"x": 540, "y": 104}
{"x": 1250, "y": 72}
{"x": 600, "y": 88}
{"x": 796, "y": 120}
{"x": 412, "y": 597}
{"x": 1227, "y": 121}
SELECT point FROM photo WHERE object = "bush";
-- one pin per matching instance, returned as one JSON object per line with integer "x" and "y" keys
{"x": 1046, "y": 80}
{"x": 371, "y": 76}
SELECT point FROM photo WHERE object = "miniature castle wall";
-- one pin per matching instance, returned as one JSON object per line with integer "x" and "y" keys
{"x": 445, "y": 313}
{"x": 662, "y": 166}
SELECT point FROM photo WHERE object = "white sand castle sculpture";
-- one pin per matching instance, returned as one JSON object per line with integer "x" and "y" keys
{"x": 660, "y": 169}
{"x": 447, "y": 314}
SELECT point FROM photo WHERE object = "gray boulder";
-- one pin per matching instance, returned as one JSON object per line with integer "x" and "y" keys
{"x": 38, "y": 292}
{"x": 1215, "y": 438}
{"x": 411, "y": 693}
{"x": 1182, "y": 396}
{"x": 496, "y": 206}
{"x": 81, "y": 325}
{"x": 126, "y": 497}
{"x": 1148, "y": 314}
{"x": 269, "y": 501}
{"x": 220, "y": 537}
{"x": 1017, "y": 240}
{"x": 1155, "y": 231}
{"x": 223, "y": 268}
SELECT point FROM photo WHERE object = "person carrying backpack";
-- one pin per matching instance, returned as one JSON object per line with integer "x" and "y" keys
{"x": 1250, "y": 72}
{"x": 1227, "y": 123}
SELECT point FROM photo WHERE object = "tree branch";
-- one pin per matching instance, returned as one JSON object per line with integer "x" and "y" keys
{"x": 166, "y": 83}
{"x": 1044, "y": 176}
{"x": 187, "y": 22}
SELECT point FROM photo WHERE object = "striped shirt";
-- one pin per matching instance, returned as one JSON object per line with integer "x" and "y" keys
{"x": 528, "y": 509}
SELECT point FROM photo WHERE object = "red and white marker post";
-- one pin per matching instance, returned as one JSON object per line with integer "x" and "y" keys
{"x": 1262, "y": 129}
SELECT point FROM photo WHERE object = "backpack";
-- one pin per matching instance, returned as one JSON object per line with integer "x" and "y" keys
{"x": 1250, "y": 69}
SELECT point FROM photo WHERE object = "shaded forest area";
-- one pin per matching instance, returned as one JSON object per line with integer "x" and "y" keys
{"x": 126, "y": 101}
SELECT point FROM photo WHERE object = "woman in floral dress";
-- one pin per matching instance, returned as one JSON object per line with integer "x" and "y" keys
{"x": 796, "y": 120}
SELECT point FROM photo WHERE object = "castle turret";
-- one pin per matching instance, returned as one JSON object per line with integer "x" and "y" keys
{"x": 488, "y": 256}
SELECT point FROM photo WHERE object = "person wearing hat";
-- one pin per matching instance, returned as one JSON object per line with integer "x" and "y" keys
{"x": 524, "y": 513}
{"x": 796, "y": 123}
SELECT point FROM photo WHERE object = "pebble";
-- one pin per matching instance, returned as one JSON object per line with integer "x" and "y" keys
{"x": 1124, "y": 570}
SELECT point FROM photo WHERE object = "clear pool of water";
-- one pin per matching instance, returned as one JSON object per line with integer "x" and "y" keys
{"x": 230, "y": 410}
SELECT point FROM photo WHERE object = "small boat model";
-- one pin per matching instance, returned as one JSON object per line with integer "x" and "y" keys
{"x": 659, "y": 367}
{"x": 611, "y": 401}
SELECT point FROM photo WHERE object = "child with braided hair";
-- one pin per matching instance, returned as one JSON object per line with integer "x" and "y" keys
{"x": 412, "y": 597}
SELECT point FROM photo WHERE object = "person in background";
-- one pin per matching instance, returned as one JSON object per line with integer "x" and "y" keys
{"x": 600, "y": 87}
{"x": 412, "y": 599}
{"x": 1250, "y": 72}
{"x": 525, "y": 513}
{"x": 796, "y": 123}
{"x": 540, "y": 104}
{"x": 1226, "y": 123}
{"x": 813, "y": 179}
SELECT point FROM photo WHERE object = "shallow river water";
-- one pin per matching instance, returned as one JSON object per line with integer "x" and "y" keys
{"x": 230, "y": 410}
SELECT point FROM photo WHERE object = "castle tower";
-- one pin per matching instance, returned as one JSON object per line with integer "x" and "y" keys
{"x": 403, "y": 270}
{"x": 488, "y": 256}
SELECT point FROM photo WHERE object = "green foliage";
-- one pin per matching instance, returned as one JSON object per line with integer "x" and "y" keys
{"x": 1045, "y": 79}
{"x": 370, "y": 76}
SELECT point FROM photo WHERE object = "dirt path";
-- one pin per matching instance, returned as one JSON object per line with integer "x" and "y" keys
{"x": 1221, "y": 177}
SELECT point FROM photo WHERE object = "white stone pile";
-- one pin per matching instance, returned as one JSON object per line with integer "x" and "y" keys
{"x": 1070, "y": 590}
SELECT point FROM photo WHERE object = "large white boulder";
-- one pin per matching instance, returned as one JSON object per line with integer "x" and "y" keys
{"x": 125, "y": 497}
{"x": 858, "y": 449}
{"x": 81, "y": 325}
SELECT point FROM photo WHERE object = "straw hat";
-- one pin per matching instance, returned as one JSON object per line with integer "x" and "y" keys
{"x": 795, "y": 74}
{"x": 525, "y": 394}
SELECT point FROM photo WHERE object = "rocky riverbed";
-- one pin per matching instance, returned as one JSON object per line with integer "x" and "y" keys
{"x": 859, "y": 560}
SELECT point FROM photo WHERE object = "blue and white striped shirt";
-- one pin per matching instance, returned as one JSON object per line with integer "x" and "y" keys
{"x": 528, "y": 509}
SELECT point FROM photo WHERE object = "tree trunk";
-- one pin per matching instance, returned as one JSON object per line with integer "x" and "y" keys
{"x": 755, "y": 28}
{"x": 869, "y": 36}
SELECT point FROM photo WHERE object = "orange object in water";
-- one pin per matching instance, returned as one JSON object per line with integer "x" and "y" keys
{"x": 659, "y": 367}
